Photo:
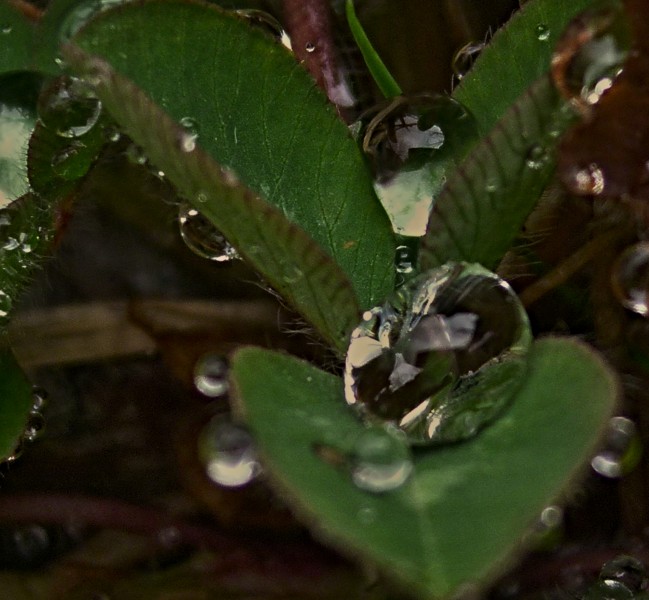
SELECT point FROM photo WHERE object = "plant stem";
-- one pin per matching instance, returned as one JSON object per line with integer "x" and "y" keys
{"x": 308, "y": 23}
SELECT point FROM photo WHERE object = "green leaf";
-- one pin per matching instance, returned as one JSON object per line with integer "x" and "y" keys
{"x": 259, "y": 114}
{"x": 487, "y": 199}
{"x": 15, "y": 39}
{"x": 387, "y": 84}
{"x": 462, "y": 514}
{"x": 18, "y": 93}
{"x": 286, "y": 256}
{"x": 519, "y": 53}
{"x": 15, "y": 403}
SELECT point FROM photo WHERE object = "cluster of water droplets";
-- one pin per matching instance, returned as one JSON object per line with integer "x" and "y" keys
{"x": 202, "y": 237}
{"x": 402, "y": 138}
{"x": 228, "y": 453}
{"x": 623, "y": 578}
{"x": 442, "y": 358}
{"x": 621, "y": 450}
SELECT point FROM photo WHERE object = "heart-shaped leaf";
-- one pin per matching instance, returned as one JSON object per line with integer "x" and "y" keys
{"x": 257, "y": 112}
{"x": 461, "y": 515}
{"x": 286, "y": 256}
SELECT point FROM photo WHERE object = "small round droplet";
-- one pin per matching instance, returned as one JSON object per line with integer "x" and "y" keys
{"x": 202, "y": 237}
{"x": 228, "y": 453}
{"x": 380, "y": 460}
{"x": 542, "y": 32}
{"x": 403, "y": 260}
{"x": 310, "y": 47}
{"x": 622, "y": 449}
{"x": 211, "y": 375}
{"x": 189, "y": 135}
{"x": 69, "y": 107}
{"x": 35, "y": 426}
{"x": 169, "y": 537}
{"x": 112, "y": 134}
{"x": 136, "y": 155}
{"x": 17, "y": 451}
{"x": 442, "y": 358}
{"x": 464, "y": 59}
{"x": 537, "y": 157}
{"x": 630, "y": 278}
{"x": 39, "y": 399}
{"x": 6, "y": 29}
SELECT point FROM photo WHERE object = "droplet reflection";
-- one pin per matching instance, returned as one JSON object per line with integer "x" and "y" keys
{"x": 202, "y": 237}
{"x": 622, "y": 449}
{"x": 211, "y": 375}
{"x": 442, "y": 358}
{"x": 630, "y": 278}
{"x": 228, "y": 453}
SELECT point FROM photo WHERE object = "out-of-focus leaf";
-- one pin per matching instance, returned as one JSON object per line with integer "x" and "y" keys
{"x": 461, "y": 515}
{"x": 15, "y": 39}
{"x": 257, "y": 112}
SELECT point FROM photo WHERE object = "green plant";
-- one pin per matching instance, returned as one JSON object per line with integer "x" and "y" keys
{"x": 245, "y": 137}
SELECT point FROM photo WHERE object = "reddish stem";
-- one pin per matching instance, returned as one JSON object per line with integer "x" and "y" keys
{"x": 309, "y": 25}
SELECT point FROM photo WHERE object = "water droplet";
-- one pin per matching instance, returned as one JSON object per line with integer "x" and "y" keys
{"x": 630, "y": 278}
{"x": 136, "y": 155}
{"x": 67, "y": 162}
{"x": 380, "y": 460}
{"x": 584, "y": 181}
{"x": 169, "y": 537}
{"x": 542, "y": 32}
{"x": 590, "y": 55}
{"x": 202, "y": 237}
{"x": 537, "y": 157}
{"x": 228, "y": 453}
{"x": 402, "y": 139}
{"x": 35, "y": 426}
{"x": 622, "y": 449}
{"x": 17, "y": 451}
{"x": 267, "y": 23}
{"x": 6, "y": 29}
{"x": 403, "y": 260}
{"x": 189, "y": 135}
{"x": 39, "y": 399}
{"x": 80, "y": 13}
{"x": 211, "y": 375}
{"x": 465, "y": 57}
{"x": 112, "y": 134}
{"x": 5, "y": 304}
{"x": 30, "y": 542}
{"x": 310, "y": 47}
{"x": 442, "y": 358}
{"x": 69, "y": 107}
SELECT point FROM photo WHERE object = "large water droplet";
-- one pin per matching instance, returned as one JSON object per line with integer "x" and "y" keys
{"x": 202, "y": 237}
{"x": 228, "y": 453}
{"x": 69, "y": 107}
{"x": 442, "y": 358}
{"x": 590, "y": 55}
{"x": 267, "y": 23}
{"x": 630, "y": 278}
{"x": 465, "y": 57}
{"x": 400, "y": 138}
{"x": 211, "y": 375}
{"x": 622, "y": 449}
{"x": 380, "y": 460}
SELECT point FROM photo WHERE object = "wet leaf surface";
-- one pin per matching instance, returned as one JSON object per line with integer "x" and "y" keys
{"x": 16, "y": 399}
{"x": 516, "y": 57}
{"x": 461, "y": 514}
{"x": 256, "y": 112}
